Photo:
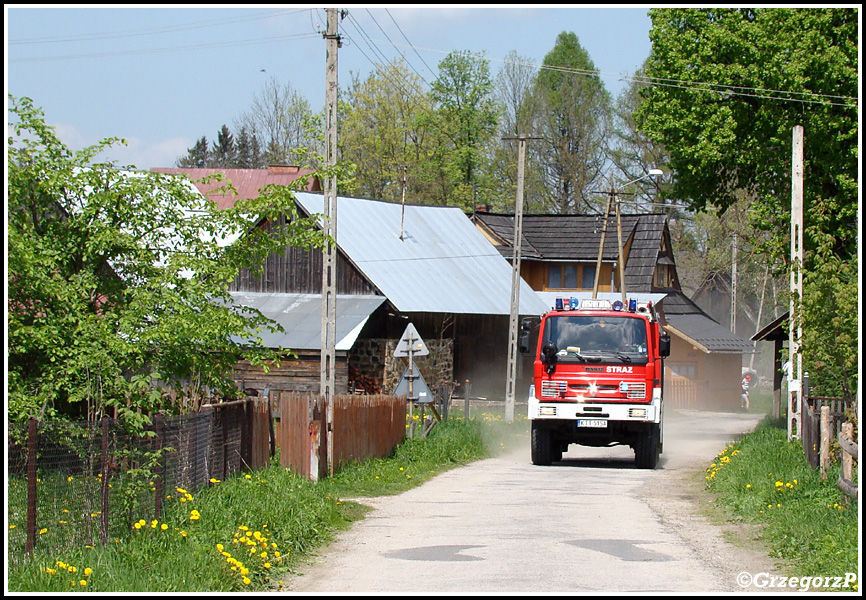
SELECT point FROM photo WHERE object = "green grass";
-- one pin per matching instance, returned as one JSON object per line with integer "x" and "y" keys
{"x": 806, "y": 521}
{"x": 250, "y": 529}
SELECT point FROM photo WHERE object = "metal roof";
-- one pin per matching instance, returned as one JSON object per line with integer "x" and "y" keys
{"x": 247, "y": 182}
{"x": 442, "y": 264}
{"x": 301, "y": 317}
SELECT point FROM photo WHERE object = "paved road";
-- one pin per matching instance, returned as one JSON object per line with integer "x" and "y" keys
{"x": 591, "y": 523}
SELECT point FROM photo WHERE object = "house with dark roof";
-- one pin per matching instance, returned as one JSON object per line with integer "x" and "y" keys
{"x": 559, "y": 256}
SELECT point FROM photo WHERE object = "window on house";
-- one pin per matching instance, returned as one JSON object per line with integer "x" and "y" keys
{"x": 570, "y": 276}
{"x": 588, "y": 280}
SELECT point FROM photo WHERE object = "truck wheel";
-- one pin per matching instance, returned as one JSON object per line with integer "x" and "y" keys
{"x": 541, "y": 443}
{"x": 646, "y": 452}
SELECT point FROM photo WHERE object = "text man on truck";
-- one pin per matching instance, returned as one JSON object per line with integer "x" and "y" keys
{"x": 598, "y": 379}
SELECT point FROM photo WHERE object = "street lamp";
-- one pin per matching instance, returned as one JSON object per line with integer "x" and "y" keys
{"x": 614, "y": 193}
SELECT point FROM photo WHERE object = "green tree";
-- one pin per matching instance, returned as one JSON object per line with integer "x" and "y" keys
{"x": 573, "y": 115}
{"x": 224, "y": 153}
{"x": 464, "y": 121}
{"x": 117, "y": 279}
{"x": 381, "y": 131}
{"x": 197, "y": 157}
{"x": 728, "y": 86}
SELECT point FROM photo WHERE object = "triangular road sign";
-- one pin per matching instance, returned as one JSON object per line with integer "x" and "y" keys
{"x": 412, "y": 340}
{"x": 420, "y": 392}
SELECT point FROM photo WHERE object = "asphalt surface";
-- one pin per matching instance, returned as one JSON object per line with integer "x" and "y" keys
{"x": 591, "y": 523}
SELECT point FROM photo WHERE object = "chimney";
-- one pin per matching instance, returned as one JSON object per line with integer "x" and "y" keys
{"x": 284, "y": 169}
{"x": 482, "y": 208}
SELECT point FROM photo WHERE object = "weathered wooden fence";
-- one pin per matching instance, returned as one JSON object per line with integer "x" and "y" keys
{"x": 850, "y": 453}
{"x": 811, "y": 424}
{"x": 361, "y": 427}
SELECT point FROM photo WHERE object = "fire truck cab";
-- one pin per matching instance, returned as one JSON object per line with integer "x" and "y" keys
{"x": 598, "y": 379}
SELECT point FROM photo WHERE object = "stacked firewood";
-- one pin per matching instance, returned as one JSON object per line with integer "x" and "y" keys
{"x": 361, "y": 381}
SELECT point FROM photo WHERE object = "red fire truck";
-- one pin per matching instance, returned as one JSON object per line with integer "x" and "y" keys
{"x": 598, "y": 379}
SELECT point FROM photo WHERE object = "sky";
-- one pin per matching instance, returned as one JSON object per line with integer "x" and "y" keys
{"x": 163, "y": 77}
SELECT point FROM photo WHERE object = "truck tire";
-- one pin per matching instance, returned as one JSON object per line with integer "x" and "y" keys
{"x": 541, "y": 443}
{"x": 646, "y": 452}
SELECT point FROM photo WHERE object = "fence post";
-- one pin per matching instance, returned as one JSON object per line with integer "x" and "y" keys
{"x": 31, "y": 487}
{"x": 103, "y": 525}
{"x": 825, "y": 440}
{"x": 466, "y": 401}
{"x": 159, "y": 484}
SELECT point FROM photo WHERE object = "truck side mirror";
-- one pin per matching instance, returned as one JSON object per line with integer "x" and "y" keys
{"x": 664, "y": 345}
{"x": 523, "y": 341}
{"x": 548, "y": 353}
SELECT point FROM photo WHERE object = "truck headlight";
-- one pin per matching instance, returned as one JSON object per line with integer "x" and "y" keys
{"x": 547, "y": 411}
{"x": 637, "y": 413}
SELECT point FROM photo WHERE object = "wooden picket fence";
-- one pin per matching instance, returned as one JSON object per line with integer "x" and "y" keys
{"x": 361, "y": 427}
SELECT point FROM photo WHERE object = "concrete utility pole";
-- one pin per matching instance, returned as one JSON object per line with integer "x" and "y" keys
{"x": 795, "y": 331}
{"x": 734, "y": 246}
{"x": 511, "y": 382}
{"x": 328, "y": 365}
{"x": 601, "y": 245}
{"x": 621, "y": 259}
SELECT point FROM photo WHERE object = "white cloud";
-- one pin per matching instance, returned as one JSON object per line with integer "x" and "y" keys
{"x": 140, "y": 153}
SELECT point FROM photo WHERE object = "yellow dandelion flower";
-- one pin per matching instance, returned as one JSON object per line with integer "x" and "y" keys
{"x": 88, "y": 571}
{"x": 248, "y": 476}
{"x": 43, "y": 530}
{"x": 264, "y": 554}
{"x": 50, "y": 571}
{"x": 183, "y": 533}
{"x": 220, "y": 547}
{"x": 267, "y": 565}
{"x": 83, "y": 583}
{"x": 246, "y": 580}
{"x": 748, "y": 486}
{"x": 163, "y": 526}
{"x": 214, "y": 480}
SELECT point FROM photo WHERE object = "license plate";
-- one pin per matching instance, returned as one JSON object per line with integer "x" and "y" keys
{"x": 591, "y": 423}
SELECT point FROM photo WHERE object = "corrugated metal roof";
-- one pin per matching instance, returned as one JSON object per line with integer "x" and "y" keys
{"x": 301, "y": 317}
{"x": 247, "y": 182}
{"x": 443, "y": 264}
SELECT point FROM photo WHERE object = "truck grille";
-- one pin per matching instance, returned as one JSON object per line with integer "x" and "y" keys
{"x": 637, "y": 390}
{"x": 552, "y": 389}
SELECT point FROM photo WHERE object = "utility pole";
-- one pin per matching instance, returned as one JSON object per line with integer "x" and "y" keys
{"x": 511, "y": 382}
{"x": 601, "y": 245}
{"x": 795, "y": 331}
{"x": 734, "y": 284}
{"x": 328, "y": 367}
{"x": 403, "y": 200}
{"x": 621, "y": 259}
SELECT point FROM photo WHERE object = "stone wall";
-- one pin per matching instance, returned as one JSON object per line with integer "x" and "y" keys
{"x": 374, "y": 359}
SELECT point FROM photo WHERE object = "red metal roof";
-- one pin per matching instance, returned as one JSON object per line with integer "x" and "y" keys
{"x": 247, "y": 182}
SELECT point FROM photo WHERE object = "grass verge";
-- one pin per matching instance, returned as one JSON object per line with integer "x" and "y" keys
{"x": 806, "y": 521}
{"x": 242, "y": 534}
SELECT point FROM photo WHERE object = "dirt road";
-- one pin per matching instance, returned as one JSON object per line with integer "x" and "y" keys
{"x": 591, "y": 523}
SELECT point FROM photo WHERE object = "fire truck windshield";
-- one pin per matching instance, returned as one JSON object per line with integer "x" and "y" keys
{"x": 586, "y": 338}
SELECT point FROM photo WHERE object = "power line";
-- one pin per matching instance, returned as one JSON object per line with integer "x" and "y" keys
{"x": 411, "y": 66}
{"x": 400, "y": 29}
{"x": 88, "y": 37}
{"x": 248, "y": 42}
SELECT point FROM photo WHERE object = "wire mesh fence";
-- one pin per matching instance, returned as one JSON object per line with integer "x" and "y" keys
{"x": 79, "y": 483}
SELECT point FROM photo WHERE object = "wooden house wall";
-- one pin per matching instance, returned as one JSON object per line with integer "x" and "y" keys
{"x": 299, "y": 271}
{"x": 300, "y": 374}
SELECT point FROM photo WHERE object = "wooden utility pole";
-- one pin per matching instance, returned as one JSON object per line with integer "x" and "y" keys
{"x": 511, "y": 382}
{"x": 601, "y": 246}
{"x": 328, "y": 365}
{"x": 795, "y": 331}
{"x": 621, "y": 259}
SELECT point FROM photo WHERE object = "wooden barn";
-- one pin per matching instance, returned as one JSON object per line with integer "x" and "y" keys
{"x": 396, "y": 264}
